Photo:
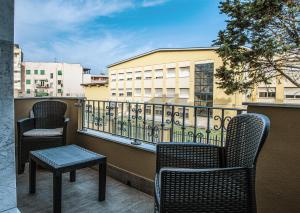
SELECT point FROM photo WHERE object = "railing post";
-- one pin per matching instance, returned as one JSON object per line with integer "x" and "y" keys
{"x": 172, "y": 123}
{"x": 162, "y": 122}
{"x": 208, "y": 126}
{"x": 122, "y": 116}
{"x": 98, "y": 117}
{"x": 129, "y": 121}
{"x": 183, "y": 124}
{"x": 88, "y": 115}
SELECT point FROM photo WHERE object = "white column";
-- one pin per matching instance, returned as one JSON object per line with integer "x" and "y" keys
{"x": 8, "y": 201}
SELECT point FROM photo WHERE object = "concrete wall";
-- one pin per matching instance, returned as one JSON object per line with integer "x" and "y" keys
{"x": 130, "y": 165}
{"x": 7, "y": 146}
{"x": 23, "y": 106}
{"x": 278, "y": 173}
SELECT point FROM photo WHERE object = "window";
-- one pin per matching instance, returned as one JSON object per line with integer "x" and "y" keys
{"x": 59, "y": 72}
{"x": 113, "y": 77}
{"x": 181, "y": 112}
{"x": 148, "y": 74}
{"x": 170, "y": 92}
{"x": 159, "y": 74}
{"x": 51, "y": 75}
{"x": 158, "y": 110}
{"x": 203, "y": 95}
{"x": 59, "y": 82}
{"x": 129, "y": 92}
{"x": 28, "y": 81}
{"x": 158, "y": 92}
{"x": 292, "y": 93}
{"x": 129, "y": 76}
{"x": 184, "y": 72}
{"x": 59, "y": 90}
{"x": 27, "y": 72}
{"x": 148, "y": 110}
{"x": 121, "y": 94}
{"x": 28, "y": 91}
{"x": 121, "y": 77}
{"x": 36, "y": 72}
{"x": 184, "y": 93}
{"x": 42, "y": 72}
{"x": 267, "y": 94}
{"x": 137, "y": 91}
{"x": 171, "y": 73}
{"x": 148, "y": 92}
{"x": 138, "y": 75}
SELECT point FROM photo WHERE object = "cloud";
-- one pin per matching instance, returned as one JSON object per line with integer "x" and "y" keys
{"x": 152, "y": 3}
{"x": 70, "y": 31}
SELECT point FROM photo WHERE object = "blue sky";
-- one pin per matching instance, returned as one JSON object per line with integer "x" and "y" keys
{"x": 96, "y": 33}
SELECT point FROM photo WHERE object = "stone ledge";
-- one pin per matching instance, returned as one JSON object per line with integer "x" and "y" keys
{"x": 271, "y": 105}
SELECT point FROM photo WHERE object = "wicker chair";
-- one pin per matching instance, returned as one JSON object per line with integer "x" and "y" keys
{"x": 194, "y": 177}
{"x": 47, "y": 128}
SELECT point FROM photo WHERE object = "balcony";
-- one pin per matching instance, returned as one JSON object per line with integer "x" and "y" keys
{"x": 127, "y": 133}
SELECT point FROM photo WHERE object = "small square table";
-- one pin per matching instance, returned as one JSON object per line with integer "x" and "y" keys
{"x": 65, "y": 159}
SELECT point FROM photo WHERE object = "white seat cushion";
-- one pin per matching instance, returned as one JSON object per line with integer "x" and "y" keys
{"x": 44, "y": 132}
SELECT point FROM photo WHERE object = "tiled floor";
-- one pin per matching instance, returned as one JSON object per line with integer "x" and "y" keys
{"x": 81, "y": 196}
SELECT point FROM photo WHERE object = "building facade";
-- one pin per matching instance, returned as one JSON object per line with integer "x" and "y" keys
{"x": 52, "y": 79}
{"x": 175, "y": 76}
{"x": 96, "y": 87}
{"x": 18, "y": 59}
{"x": 279, "y": 91}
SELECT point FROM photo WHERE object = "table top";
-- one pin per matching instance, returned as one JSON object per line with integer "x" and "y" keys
{"x": 64, "y": 156}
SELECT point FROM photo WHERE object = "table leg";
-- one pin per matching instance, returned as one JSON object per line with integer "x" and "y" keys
{"x": 57, "y": 192}
{"x": 73, "y": 176}
{"x": 32, "y": 176}
{"x": 102, "y": 181}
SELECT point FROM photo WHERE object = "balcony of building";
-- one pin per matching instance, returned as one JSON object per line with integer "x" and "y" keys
{"x": 127, "y": 134}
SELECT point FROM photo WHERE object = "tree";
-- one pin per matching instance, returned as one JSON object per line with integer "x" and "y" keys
{"x": 261, "y": 42}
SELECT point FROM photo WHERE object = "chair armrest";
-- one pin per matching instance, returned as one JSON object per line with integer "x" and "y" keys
{"x": 217, "y": 189}
{"x": 187, "y": 155}
{"x": 66, "y": 121}
{"x": 24, "y": 125}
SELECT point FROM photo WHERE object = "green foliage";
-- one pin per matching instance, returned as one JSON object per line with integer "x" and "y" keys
{"x": 270, "y": 30}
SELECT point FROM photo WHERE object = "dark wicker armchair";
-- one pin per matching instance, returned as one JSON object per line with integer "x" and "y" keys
{"x": 206, "y": 178}
{"x": 47, "y": 128}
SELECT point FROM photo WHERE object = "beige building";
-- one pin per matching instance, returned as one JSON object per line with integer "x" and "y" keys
{"x": 279, "y": 91}
{"x": 18, "y": 58}
{"x": 52, "y": 79}
{"x": 177, "y": 76}
{"x": 96, "y": 87}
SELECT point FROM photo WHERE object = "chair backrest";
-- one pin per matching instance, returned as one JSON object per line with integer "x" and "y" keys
{"x": 49, "y": 114}
{"x": 246, "y": 134}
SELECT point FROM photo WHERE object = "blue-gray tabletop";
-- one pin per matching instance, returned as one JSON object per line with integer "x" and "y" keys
{"x": 64, "y": 156}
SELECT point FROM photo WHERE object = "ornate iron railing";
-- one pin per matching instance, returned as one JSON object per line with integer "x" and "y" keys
{"x": 151, "y": 122}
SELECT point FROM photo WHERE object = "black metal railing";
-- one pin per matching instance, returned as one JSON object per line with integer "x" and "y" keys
{"x": 151, "y": 122}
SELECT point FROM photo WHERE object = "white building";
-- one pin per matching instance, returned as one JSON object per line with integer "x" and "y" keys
{"x": 18, "y": 58}
{"x": 52, "y": 79}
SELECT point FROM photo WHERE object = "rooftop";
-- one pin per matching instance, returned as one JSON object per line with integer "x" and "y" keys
{"x": 162, "y": 50}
